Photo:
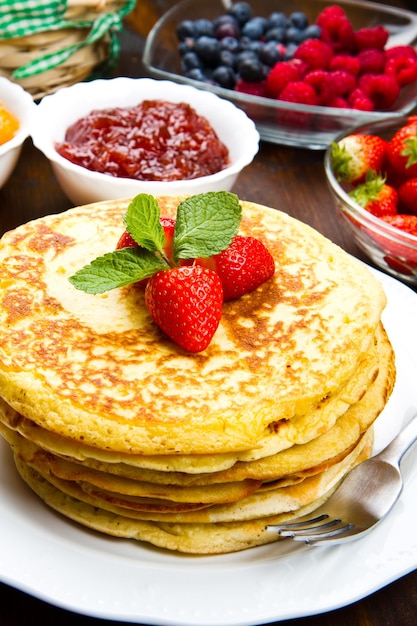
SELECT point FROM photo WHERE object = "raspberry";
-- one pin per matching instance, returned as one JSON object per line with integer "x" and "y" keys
{"x": 315, "y": 53}
{"x": 372, "y": 61}
{"x": 329, "y": 13}
{"x": 402, "y": 68}
{"x": 339, "y": 103}
{"x": 298, "y": 92}
{"x": 323, "y": 85}
{"x": 345, "y": 62}
{"x": 343, "y": 82}
{"x": 383, "y": 90}
{"x": 375, "y": 37}
{"x": 280, "y": 75}
{"x": 254, "y": 89}
{"x": 358, "y": 100}
{"x": 402, "y": 51}
{"x": 339, "y": 34}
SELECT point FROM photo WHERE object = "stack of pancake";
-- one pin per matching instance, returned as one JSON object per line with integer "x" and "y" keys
{"x": 113, "y": 426}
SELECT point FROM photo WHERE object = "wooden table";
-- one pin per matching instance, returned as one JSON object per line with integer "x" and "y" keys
{"x": 287, "y": 178}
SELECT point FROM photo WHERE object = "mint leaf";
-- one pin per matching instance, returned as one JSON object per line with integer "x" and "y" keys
{"x": 206, "y": 224}
{"x": 142, "y": 222}
{"x": 117, "y": 269}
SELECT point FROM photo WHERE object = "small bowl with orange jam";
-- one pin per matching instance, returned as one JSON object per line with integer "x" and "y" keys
{"x": 114, "y": 138}
{"x": 16, "y": 112}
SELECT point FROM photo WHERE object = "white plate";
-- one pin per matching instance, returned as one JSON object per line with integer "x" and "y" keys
{"x": 60, "y": 562}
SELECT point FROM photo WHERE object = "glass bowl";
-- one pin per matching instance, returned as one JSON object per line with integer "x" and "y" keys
{"x": 313, "y": 127}
{"x": 389, "y": 248}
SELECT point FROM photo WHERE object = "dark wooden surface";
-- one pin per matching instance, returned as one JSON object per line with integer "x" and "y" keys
{"x": 286, "y": 178}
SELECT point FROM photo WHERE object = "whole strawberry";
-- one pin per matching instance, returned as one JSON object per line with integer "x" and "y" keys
{"x": 355, "y": 155}
{"x": 402, "y": 149}
{"x": 242, "y": 267}
{"x": 186, "y": 303}
{"x": 407, "y": 195}
{"x": 376, "y": 196}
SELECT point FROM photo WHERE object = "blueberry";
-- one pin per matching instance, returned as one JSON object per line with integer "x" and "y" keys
{"x": 277, "y": 20}
{"x": 299, "y": 19}
{"x": 190, "y": 60}
{"x": 224, "y": 76}
{"x": 289, "y": 53}
{"x": 254, "y": 28}
{"x": 230, "y": 43}
{"x": 312, "y": 32}
{"x": 227, "y": 28}
{"x": 185, "y": 29}
{"x": 271, "y": 53}
{"x": 275, "y": 34}
{"x": 196, "y": 74}
{"x": 186, "y": 46}
{"x": 251, "y": 70}
{"x": 254, "y": 46}
{"x": 203, "y": 27}
{"x": 247, "y": 55}
{"x": 294, "y": 35}
{"x": 241, "y": 11}
{"x": 208, "y": 49}
{"x": 228, "y": 58}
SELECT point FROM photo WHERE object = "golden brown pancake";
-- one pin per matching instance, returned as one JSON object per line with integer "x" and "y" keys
{"x": 191, "y": 537}
{"x": 116, "y": 427}
{"x": 97, "y": 370}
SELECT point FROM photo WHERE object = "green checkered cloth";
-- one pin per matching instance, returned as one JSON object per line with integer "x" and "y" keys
{"x": 27, "y": 17}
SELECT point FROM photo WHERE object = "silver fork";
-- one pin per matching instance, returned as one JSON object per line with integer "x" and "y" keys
{"x": 365, "y": 497}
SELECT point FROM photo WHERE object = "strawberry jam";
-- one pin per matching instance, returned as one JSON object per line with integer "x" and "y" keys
{"x": 154, "y": 140}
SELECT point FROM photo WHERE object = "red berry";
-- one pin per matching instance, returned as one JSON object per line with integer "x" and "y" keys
{"x": 376, "y": 196}
{"x": 298, "y": 92}
{"x": 346, "y": 62}
{"x": 357, "y": 99}
{"x": 323, "y": 84}
{"x": 402, "y": 68}
{"x": 343, "y": 82}
{"x": 355, "y": 155}
{"x": 186, "y": 303}
{"x": 339, "y": 103}
{"x": 373, "y": 37}
{"x": 338, "y": 33}
{"x": 280, "y": 75}
{"x": 381, "y": 89}
{"x": 242, "y": 267}
{"x": 402, "y": 149}
{"x": 407, "y": 194}
{"x": 329, "y": 13}
{"x": 402, "y": 51}
{"x": 372, "y": 61}
{"x": 254, "y": 89}
{"x": 316, "y": 54}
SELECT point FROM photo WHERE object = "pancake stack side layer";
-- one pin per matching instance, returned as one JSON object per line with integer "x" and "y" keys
{"x": 117, "y": 428}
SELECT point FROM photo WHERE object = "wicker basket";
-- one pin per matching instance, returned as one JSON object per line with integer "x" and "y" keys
{"x": 18, "y": 51}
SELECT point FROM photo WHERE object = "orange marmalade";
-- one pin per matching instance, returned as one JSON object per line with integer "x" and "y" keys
{"x": 8, "y": 125}
{"x": 154, "y": 140}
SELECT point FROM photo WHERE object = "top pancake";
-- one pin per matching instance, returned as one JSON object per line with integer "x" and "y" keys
{"x": 97, "y": 369}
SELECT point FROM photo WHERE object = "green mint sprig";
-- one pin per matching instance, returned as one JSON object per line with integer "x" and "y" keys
{"x": 205, "y": 225}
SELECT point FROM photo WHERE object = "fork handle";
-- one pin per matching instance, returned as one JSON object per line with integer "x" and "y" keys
{"x": 394, "y": 451}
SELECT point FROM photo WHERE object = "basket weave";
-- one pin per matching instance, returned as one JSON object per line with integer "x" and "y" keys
{"x": 19, "y": 51}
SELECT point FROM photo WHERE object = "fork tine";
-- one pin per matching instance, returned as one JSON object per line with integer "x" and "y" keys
{"x": 301, "y": 524}
{"x": 311, "y": 530}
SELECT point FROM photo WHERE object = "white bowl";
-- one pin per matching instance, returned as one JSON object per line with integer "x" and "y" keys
{"x": 57, "y": 112}
{"x": 20, "y": 104}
